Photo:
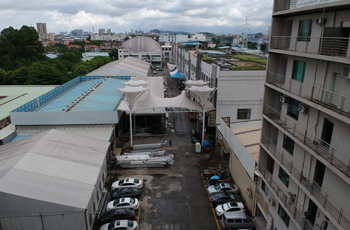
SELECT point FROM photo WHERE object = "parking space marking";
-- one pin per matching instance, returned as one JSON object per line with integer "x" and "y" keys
{"x": 205, "y": 185}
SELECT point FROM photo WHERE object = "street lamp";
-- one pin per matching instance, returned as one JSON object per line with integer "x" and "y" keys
{"x": 203, "y": 94}
{"x": 131, "y": 95}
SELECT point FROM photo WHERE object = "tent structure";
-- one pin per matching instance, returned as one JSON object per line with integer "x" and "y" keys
{"x": 125, "y": 67}
{"x": 152, "y": 101}
{"x": 52, "y": 180}
{"x": 190, "y": 83}
{"x": 177, "y": 74}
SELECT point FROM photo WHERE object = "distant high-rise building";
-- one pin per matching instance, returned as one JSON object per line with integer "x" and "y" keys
{"x": 101, "y": 31}
{"x": 109, "y": 31}
{"x": 63, "y": 33}
{"x": 78, "y": 32}
{"x": 41, "y": 28}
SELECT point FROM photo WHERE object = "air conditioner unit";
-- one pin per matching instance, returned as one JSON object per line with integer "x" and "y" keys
{"x": 272, "y": 202}
{"x": 320, "y": 21}
{"x": 346, "y": 72}
{"x": 283, "y": 99}
{"x": 302, "y": 108}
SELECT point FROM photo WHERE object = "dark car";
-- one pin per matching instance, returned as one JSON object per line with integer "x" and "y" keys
{"x": 118, "y": 214}
{"x": 222, "y": 197}
{"x": 195, "y": 136}
{"x": 125, "y": 192}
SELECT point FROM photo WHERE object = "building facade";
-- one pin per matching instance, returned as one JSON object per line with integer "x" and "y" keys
{"x": 101, "y": 31}
{"x": 304, "y": 160}
{"x": 41, "y": 28}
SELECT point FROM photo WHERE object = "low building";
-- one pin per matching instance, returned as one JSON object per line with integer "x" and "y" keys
{"x": 51, "y": 180}
{"x": 47, "y": 37}
{"x": 167, "y": 52}
{"x": 143, "y": 48}
{"x": 91, "y": 48}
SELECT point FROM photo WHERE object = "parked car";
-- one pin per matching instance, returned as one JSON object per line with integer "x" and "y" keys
{"x": 229, "y": 207}
{"x": 127, "y": 183}
{"x": 160, "y": 68}
{"x": 222, "y": 197}
{"x": 120, "y": 224}
{"x": 195, "y": 136}
{"x": 222, "y": 187}
{"x": 157, "y": 68}
{"x": 154, "y": 71}
{"x": 118, "y": 214}
{"x": 236, "y": 220}
{"x": 125, "y": 202}
{"x": 125, "y": 192}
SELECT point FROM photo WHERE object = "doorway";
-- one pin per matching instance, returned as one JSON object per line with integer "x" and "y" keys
{"x": 327, "y": 132}
{"x": 319, "y": 173}
{"x": 312, "y": 211}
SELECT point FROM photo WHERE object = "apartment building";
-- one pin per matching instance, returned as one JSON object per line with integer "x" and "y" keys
{"x": 41, "y": 28}
{"x": 304, "y": 160}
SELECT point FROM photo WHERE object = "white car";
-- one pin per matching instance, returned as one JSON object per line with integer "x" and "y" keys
{"x": 125, "y": 202}
{"x": 229, "y": 207}
{"x": 127, "y": 183}
{"x": 120, "y": 224}
{"x": 222, "y": 187}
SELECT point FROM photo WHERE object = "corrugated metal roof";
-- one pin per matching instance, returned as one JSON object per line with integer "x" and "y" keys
{"x": 19, "y": 95}
{"x": 103, "y": 98}
{"x": 53, "y": 166}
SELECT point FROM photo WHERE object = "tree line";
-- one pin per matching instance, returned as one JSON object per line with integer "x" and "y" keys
{"x": 23, "y": 60}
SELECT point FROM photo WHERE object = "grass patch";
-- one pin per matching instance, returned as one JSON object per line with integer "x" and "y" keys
{"x": 206, "y": 58}
{"x": 242, "y": 63}
{"x": 248, "y": 68}
{"x": 250, "y": 58}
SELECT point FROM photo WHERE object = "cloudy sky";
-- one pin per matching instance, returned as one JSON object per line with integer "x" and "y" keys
{"x": 214, "y": 16}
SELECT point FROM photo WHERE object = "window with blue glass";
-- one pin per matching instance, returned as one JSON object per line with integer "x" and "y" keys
{"x": 284, "y": 177}
{"x": 298, "y": 70}
{"x": 304, "y": 31}
{"x": 288, "y": 144}
{"x": 293, "y": 108}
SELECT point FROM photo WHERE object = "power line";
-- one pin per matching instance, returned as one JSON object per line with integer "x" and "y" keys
{"x": 245, "y": 31}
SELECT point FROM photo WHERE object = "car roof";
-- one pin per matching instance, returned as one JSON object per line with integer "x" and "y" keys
{"x": 235, "y": 215}
{"x": 122, "y": 223}
{"x": 124, "y": 200}
{"x": 236, "y": 204}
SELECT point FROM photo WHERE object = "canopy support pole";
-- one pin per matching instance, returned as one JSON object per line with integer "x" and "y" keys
{"x": 130, "y": 114}
{"x": 203, "y": 125}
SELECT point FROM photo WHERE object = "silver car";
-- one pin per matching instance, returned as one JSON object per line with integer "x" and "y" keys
{"x": 222, "y": 187}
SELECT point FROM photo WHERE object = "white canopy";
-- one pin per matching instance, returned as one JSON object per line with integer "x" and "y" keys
{"x": 203, "y": 93}
{"x": 136, "y": 83}
{"x": 190, "y": 83}
{"x": 152, "y": 101}
{"x": 132, "y": 93}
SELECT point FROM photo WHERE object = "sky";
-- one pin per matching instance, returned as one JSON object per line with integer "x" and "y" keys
{"x": 215, "y": 16}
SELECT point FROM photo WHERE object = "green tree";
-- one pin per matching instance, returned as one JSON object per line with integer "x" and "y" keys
{"x": 126, "y": 38}
{"x": 113, "y": 54}
{"x": 20, "y": 76}
{"x": 2, "y": 76}
{"x": 89, "y": 38}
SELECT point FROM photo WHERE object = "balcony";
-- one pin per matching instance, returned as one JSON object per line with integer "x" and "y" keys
{"x": 311, "y": 186}
{"x": 328, "y": 99}
{"x": 336, "y": 158}
{"x": 284, "y": 199}
{"x": 329, "y": 46}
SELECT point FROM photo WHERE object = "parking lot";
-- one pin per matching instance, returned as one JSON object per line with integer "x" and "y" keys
{"x": 174, "y": 197}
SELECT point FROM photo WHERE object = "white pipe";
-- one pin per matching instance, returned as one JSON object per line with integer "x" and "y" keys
{"x": 203, "y": 125}
{"x": 130, "y": 129}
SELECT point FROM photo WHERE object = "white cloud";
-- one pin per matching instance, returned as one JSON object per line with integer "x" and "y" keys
{"x": 120, "y": 15}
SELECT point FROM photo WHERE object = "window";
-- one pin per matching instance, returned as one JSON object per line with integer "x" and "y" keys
{"x": 284, "y": 177}
{"x": 304, "y": 31}
{"x": 288, "y": 144}
{"x": 264, "y": 187}
{"x": 293, "y": 108}
{"x": 298, "y": 70}
{"x": 284, "y": 216}
{"x": 243, "y": 113}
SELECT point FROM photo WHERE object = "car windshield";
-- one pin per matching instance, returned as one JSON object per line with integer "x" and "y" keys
{"x": 216, "y": 195}
{"x": 130, "y": 223}
{"x": 217, "y": 187}
{"x": 232, "y": 197}
{"x": 225, "y": 207}
{"x": 116, "y": 202}
{"x": 132, "y": 201}
{"x": 111, "y": 225}
{"x": 121, "y": 182}
{"x": 136, "y": 181}
{"x": 135, "y": 190}
{"x": 128, "y": 211}
{"x": 232, "y": 186}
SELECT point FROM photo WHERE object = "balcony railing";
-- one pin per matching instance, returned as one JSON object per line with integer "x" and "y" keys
{"x": 286, "y": 200}
{"x": 330, "y": 46}
{"x": 328, "y": 99}
{"x": 338, "y": 159}
{"x": 332, "y": 207}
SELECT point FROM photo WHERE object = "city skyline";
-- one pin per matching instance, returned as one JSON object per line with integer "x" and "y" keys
{"x": 120, "y": 16}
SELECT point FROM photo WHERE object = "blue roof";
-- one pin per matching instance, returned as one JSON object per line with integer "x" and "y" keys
{"x": 95, "y": 54}
{"x": 177, "y": 75}
{"x": 52, "y": 56}
{"x": 19, "y": 137}
{"x": 104, "y": 98}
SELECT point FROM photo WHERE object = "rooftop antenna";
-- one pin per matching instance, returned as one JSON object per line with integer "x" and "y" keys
{"x": 246, "y": 24}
